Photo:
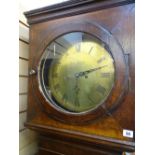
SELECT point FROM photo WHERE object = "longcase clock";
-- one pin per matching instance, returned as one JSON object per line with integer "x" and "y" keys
{"x": 81, "y": 77}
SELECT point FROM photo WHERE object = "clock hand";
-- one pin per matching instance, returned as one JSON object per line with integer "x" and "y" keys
{"x": 84, "y": 73}
{"x": 76, "y": 102}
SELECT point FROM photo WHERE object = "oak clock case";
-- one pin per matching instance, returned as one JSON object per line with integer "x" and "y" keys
{"x": 78, "y": 73}
{"x": 81, "y": 82}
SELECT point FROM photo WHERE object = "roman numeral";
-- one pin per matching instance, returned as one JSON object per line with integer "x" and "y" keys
{"x": 76, "y": 102}
{"x": 105, "y": 75}
{"x": 90, "y": 99}
{"x": 90, "y": 50}
{"x": 100, "y": 89}
{"x": 65, "y": 97}
{"x": 101, "y": 59}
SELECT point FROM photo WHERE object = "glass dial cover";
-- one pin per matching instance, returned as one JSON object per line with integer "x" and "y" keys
{"x": 76, "y": 72}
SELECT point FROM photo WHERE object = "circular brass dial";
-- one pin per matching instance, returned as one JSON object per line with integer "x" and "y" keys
{"x": 80, "y": 77}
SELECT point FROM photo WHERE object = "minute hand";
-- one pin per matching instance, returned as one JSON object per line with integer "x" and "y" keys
{"x": 84, "y": 73}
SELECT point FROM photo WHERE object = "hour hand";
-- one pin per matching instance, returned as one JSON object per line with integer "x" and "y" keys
{"x": 84, "y": 73}
{"x": 77, "y": 89}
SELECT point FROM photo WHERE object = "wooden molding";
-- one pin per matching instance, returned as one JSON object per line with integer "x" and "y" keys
{"x": 117, "y": 145}
{"x": 70, "y": 8}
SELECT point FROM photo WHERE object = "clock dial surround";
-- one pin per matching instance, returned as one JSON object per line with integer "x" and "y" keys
{"x": 118, "y": 90}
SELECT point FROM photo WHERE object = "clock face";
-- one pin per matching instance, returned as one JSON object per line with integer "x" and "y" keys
{"x": 76, "y": 72}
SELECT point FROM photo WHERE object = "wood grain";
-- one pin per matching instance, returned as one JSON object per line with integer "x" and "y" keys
{"x": 71, "y": 8}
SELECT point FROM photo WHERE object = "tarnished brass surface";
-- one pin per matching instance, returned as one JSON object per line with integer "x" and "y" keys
{"x": 82, "y": 77}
